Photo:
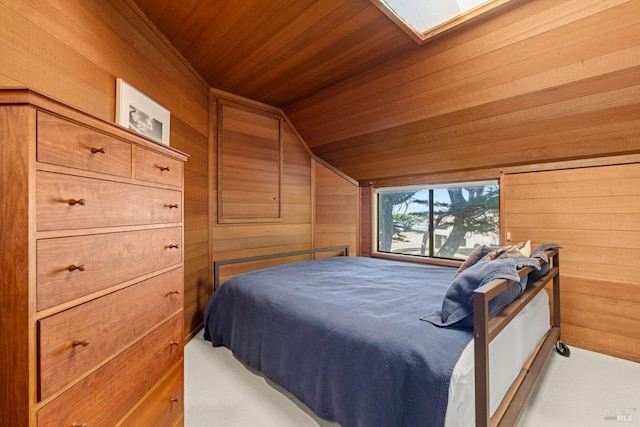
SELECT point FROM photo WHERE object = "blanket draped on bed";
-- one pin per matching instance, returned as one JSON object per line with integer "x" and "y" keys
{"x": 344, "y": 335}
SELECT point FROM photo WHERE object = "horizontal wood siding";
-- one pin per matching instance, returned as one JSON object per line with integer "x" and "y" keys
{"x": 275, "y": 51}
{"x": 249, "y": 165}
{"x": 547, "y": 80}
{"x": 593, "y": 213}
{"x": 336, "y": 210}
{"x": 74, "y": 50}
{"x": 293, "y": 232}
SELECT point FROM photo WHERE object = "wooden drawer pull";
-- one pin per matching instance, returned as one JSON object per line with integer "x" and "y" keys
{"x": 73, "y": 202}
{"x": 77, "y": 343}
{"x": 79, "y": 425}
{"x": 99, "y": 150}
{"x": 176, "y": 292}
{"x": 174, "y": 400}
{"x": 172, "y": 247}
{"x": 76, "y": 267}
{"x": 172, "y": 206}
{"x": 172, "y": 343}
{"x": 163, "y": 168}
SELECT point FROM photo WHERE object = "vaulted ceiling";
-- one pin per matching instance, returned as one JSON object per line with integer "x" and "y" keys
{"x": 277, "y": 51}
{"x": 527, "y": 81}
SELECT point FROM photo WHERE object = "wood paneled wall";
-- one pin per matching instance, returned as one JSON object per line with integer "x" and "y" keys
{"x": 336, "y": 209}
{"x": 547, "y": 80}
{"x": 594, "y": 214}
{"x": 277, "y": 50}
{"x": 293, "y": 232}
{"x": 320, "y": 206}
{"x": 366, "y": 221}
{"x": 74, "y": 50}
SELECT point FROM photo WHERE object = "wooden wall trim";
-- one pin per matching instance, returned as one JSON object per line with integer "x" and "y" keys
{"x": 436, "y": 178}
{"x": 335, "y": 170}
{"x": 295, "y": 131}
{"x": 256, "y": 104}
{"x": 572, "y": 164}
{"x": 244, "y": 101}
{"x": 367, "y": 219}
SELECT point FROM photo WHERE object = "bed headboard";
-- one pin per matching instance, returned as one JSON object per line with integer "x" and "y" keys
{"x": 216, "y": 264}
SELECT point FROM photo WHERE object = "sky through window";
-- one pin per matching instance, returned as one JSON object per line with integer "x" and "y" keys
{"x": 424, "y": 15}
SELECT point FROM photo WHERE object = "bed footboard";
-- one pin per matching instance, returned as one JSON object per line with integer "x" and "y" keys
{"x": 485, "y": 330}
{"x": 217, "y": 264}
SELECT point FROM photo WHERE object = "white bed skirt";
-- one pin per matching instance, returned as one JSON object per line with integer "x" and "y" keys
{"x": 507, "y": 354}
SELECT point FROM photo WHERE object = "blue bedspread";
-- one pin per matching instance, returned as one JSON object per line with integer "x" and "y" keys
{"x": 344, "y": 335}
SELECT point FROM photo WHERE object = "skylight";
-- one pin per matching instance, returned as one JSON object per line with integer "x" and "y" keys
{"x": 425, "y": 18}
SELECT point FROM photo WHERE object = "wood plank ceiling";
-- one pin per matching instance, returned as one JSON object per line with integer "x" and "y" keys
{"x": 277, "y": 51}
{"x": 529, "y": 82}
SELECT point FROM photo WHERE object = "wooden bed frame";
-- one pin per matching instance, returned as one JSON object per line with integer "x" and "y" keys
{"x": 217, "y": 264}
{"x": 484, "y": 331}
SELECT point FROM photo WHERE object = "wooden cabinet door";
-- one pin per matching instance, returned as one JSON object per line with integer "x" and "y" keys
{"x": 249, "y": 164}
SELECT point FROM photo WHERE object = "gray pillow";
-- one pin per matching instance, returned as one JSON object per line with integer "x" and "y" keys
{"x": 517, "y": 250}
{"x": 475, "y": 256}
{"x": 539, "y": 252}
{"x": 457, "y": 306}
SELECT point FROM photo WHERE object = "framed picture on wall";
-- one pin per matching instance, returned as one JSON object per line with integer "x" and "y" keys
{"x": 141, "y": 114}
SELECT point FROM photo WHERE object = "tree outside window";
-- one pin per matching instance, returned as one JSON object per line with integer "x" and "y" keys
{"x": 438, "y": 221}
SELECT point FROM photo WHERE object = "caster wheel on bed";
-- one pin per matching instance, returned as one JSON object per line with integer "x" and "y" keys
{"x": 562, "y": 349}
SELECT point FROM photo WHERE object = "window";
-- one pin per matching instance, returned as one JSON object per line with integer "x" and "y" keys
{"x": 443, "y": 221}
{"x": 422, "y": 19}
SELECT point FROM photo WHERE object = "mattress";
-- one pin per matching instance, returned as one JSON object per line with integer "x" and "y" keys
{"x": 507, "y": 354}
{"x": 341, "y": 346}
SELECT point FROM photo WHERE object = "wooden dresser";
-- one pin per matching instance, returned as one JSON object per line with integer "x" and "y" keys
{"x": 91, "y": 293}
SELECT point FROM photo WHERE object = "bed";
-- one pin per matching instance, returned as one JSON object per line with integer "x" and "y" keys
{"x": 364, "y": 341}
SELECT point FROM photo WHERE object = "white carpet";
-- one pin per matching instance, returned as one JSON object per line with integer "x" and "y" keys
{"x": 586, "y": 389}
{"x": 222, "y": 391}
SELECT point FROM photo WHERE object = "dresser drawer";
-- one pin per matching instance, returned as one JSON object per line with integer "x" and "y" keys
{"x": 64, "y": 143}
{"x": 71, "y": 267}
{"x": 156, "y": 167}
{"x": 74, "y": 341}
{"x": 72, "y": 202}
{"x": 105, "y": 396}
{"x": 164, "y": 406}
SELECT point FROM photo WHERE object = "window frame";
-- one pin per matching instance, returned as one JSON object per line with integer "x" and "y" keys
{"x": 475, "y": 14}
{"x": 450, "y": 262}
